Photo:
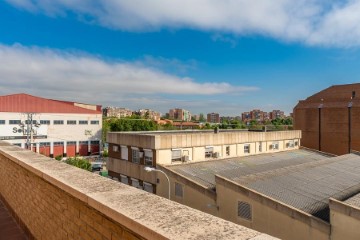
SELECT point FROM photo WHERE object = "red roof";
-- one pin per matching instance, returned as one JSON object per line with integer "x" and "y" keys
{"x": 27, "y": 103}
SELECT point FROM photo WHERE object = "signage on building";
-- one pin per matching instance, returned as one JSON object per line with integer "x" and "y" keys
{"x": 8, "y": 132}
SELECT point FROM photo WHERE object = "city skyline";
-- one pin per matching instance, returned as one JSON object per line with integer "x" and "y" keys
{"x": 226, "y": 58}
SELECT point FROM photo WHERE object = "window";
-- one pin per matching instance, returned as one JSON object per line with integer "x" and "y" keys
{"x": 135, "y": 183}
{"x": 247, "y": 148}
{"x": 274, "y": 146}
{"x": 179, "y": 190}
{"x": 124, "y": 179}
{"x": 148, "y": 187}
{"x": 148, "y": 157}
{"x": 45, "y": 122}
{"x": 71, "y": 143}
{"x": 135, "y": 155}
{"x": 124, "y": 152}
{"x": 209, "y": 152}
{"x": 58, "y": 122}
{"x": 17, "y": 144}
{"x": 43, "y": 144}
{"x": 175, "y": 155}
{"x": 227, "y": 150}
{"x": 84, "y": 142}
{"x": 290, "y": 144}
{"x": 94, "y": 122}
{"x": 71, "y": 122}
{"x": 14, "y": 122}
{"x": 58, "y": 143}
{"x": 296, "y": 143}
{"x": 115, "y": 148}
{"x": 2, "y": 121}
{"x": 83, "y": 122}
{"x": 260, "y": 146}
{"x": 29, "y": 122}
{"x": 94, "y": 142}
{"x": 244, "y": 210}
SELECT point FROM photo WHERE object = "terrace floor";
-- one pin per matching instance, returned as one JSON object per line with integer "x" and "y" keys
{"x": 9, "y": 229}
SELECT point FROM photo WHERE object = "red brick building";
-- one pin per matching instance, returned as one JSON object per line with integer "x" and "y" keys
{"x": 330, "y": 119}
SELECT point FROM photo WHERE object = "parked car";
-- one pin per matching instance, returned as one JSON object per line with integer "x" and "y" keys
{"x": 96, "y": 166}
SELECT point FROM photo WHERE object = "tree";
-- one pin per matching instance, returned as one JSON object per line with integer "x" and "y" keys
{"x": 79, "y": 162}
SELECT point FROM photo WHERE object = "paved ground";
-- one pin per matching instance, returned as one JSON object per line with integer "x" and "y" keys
{"x": 9, "y": 229}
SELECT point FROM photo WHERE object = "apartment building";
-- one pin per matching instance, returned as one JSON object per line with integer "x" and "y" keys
{"x": 261, "y": 116}
{"x": 148, "y": 114}
{"x": 130, "y": 152}
{"x": 329, "y": 119}
{"x": 213, "y": 118}
{"x": 117, "y": 112}
{"x": 50, "y": 127}
{"x": 179, "y": 114}
{"x": 274, "y": 114}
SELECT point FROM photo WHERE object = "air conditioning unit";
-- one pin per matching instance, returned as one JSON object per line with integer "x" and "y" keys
{"x": 216, "y": 154}
{"x": 185, "y": 158}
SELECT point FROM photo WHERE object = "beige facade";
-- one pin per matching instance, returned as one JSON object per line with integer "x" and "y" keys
{"x": 130, "y": 152}
{"x": 267, "y": 215}
{"x": 345, "y": 220}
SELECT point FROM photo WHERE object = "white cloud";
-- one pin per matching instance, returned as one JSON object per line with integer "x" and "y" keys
{"x": 314, "y": 22}
{"x": 59, "y": 73}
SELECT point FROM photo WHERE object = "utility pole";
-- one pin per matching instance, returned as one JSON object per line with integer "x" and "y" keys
{"x": 29, "y": 130}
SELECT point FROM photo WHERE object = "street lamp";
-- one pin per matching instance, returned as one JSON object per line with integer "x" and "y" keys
{"x": 151, "y": 169}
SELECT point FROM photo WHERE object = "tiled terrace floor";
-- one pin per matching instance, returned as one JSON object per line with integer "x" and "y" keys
{"x": 9, "y": 229}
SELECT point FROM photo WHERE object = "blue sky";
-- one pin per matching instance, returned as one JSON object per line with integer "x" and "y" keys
{"x": 206, "y": 56}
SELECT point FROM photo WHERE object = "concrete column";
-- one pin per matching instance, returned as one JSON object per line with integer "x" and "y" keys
{"x": 89, "y": 147}
{"x": 51, "y": 149}
{"x": 77, "y": 148}
{"x": 65, "y": 145}
{"x": 38, "y": 147}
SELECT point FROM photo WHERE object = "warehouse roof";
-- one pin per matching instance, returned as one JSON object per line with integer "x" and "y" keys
{"x": 354, "y": 200}
{"x": 302, "y": 179}
{"x": 28, "y": 103}
{"x": 235, "y": 168}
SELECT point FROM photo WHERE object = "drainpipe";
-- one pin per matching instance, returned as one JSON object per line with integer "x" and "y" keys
{"x": 349, "y": 119}
{"x": 320, "y": 107}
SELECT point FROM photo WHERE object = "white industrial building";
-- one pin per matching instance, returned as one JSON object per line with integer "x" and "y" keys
{"x": 50, "y": 127}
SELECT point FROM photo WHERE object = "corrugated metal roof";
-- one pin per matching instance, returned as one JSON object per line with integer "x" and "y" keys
{"x": 354, "y": 200}
{"x": 302, "y": 179}
{"x": 235, "y": 168}
{"x": 27, "y": 103}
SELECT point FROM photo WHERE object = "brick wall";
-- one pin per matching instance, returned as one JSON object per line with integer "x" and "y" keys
{"x": 48, "y": 212}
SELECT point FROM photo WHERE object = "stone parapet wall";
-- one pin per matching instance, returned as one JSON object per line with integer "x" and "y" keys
{"x": 52, "y": 200}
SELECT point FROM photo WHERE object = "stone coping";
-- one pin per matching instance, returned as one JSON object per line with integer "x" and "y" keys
{"x": 288, "y": 210}
{"x": 344, "y": 208}
{"x": 148, "y": 215}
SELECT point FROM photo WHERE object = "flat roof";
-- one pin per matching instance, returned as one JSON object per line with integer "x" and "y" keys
{"x": 190, "y": 131}
{"x": 300, "y": 178}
